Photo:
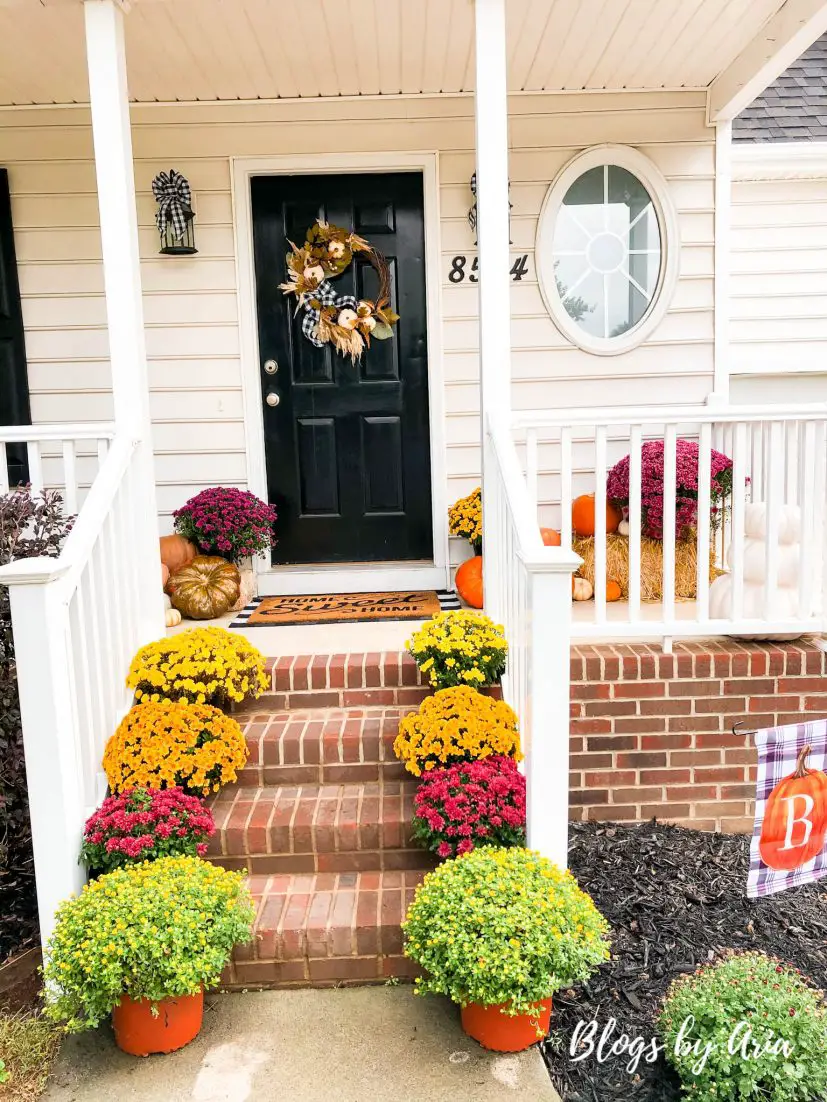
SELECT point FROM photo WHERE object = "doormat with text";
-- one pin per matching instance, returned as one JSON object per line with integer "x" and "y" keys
{"x": 344, "y": 608}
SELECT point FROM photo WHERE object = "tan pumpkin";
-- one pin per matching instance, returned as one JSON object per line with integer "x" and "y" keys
{"x": 581, "y": 588}
{"x": 176, "y": 552}
{"x": 172, "y": 617}
{"x": 205, "y": 589}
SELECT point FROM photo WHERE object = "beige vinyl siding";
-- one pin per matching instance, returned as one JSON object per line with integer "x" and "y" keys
{"x": 778, "y": 283}
{"x": 190, "y": 303}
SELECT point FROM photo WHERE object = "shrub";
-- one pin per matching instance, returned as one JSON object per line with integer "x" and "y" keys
{"x": 725, "y": 1008}
{"x": 465, "y": 519}
{"x": 460, "y": 648}
{"x": 686, "y": 516}
{"x": 143, "y": 824}
{"x": 203, "y": 666}
{"x": 169, "y": 745}
{"x": 158, "y": 930}
{"x": 456, "y": 725}
{"x": 30, "y": 526}
{"x": 227, "y": 521}
{"x": 470, "y": 804}
{"x": 503, "y": 926}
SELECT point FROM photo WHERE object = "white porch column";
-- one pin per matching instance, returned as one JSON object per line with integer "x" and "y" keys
{"x": 111, "y": 131}
{"x": 491, "y": 112}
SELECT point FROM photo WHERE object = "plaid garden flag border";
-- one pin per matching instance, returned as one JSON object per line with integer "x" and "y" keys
{"x": 778, "y": 750}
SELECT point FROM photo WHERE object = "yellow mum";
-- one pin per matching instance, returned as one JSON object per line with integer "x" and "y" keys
{"x": 465, "y": 519}
{"x": 205, "y": 665}
{"x": 460, "y": 648}
{"x": 165, "y": 745}
{"x": 457, "y": 724}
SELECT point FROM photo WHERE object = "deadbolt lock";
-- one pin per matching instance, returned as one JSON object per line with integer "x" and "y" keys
{"x": 270, "y": 367}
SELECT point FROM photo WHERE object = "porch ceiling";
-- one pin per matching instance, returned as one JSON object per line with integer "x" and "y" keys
{"x": 265, "y": 49}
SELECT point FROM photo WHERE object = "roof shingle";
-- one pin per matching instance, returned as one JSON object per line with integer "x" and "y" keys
{"x": 794, "y": 108}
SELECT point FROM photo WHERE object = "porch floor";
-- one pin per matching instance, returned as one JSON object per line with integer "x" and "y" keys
{"x": 391, "y": 635}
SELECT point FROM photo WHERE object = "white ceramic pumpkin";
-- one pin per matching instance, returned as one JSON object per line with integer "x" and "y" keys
{"x": 784, "y": 603}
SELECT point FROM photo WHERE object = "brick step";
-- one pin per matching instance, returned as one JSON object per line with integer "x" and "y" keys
{"x": 316, "y": 828}
{"x": 325, "y": 929}
{"x": 322, "y": 746}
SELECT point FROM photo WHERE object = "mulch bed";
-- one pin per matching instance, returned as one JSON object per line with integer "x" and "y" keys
{"x": 674, "y": 898}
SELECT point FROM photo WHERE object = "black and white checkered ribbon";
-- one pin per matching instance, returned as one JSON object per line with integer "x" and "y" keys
{"x": 325, "y": 293}
{"x": 174, "y": 198}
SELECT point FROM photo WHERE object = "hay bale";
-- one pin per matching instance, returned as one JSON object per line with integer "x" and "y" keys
{"x": 651, "y": 565}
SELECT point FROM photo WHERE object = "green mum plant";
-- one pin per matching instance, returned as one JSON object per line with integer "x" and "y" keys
{"x": 158, "y": 930}
{"x": 747, "y": 1027}
{"x": 503, "y": 927}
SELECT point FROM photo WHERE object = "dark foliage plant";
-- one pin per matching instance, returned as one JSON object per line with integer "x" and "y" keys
{"x": 30, "y": 526}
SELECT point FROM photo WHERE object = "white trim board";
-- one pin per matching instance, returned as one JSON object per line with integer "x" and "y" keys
{"x": 779, "y": 161}
{"x": 359, "y": 577}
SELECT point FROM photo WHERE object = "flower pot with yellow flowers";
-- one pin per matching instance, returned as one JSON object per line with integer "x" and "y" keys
{"x": 142, "y": 944}
{"x": 460, "y": 648}
{"x": 206, "y": 665}
{"x": 499, "y": 931}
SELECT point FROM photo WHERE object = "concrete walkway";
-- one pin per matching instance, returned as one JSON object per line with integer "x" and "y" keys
{"x": 369, "y": 1044}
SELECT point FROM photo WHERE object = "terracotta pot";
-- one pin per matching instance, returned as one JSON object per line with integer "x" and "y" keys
{"x": 501, "y": 1032}
{"x": 140, "y": 1033}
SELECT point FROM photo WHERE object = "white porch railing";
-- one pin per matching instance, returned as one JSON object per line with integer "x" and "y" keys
{"x": 77, "y": 621}
{"x": 779, "y": 460}
{"x": 528, "y": 591}
{"x": 59, "y": 457}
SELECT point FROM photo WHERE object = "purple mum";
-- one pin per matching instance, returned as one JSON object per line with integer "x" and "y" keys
{"x": 228, "y": 522}
{"x": 651, "y": 488}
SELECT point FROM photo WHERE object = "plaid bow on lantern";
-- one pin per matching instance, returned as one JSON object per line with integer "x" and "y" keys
{"x": 325, "y": 293}
{"x": 174, "y": 198}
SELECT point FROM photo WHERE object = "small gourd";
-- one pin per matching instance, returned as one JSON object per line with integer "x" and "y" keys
{"x": 172, "y": 617}
{"x": 613, "y": 590}
{"x": 581, "y": 588}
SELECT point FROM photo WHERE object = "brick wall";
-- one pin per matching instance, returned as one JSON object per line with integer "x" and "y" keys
{"x": 651, "y": 734}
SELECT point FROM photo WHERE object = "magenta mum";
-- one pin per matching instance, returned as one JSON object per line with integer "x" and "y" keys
{"x": 686, "y": 496}
{"x": 228, "y": 522}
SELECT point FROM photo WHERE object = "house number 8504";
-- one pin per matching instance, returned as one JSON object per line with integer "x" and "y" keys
{"x": 460, "y": 271}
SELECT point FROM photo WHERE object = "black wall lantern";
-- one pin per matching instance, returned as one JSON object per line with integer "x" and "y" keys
{"x": 175, "y": 216}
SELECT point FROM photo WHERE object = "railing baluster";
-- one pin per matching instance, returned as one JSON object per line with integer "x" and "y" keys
{"x": 704, "y": 520}
{"x": 600, "y": 524}
{"x": 70, "y": 476}
{"x": 35, "y": 466}
{"x": 775, "y": 494}
{"x": 4, "y": 470}
{"x": 809, "y": 539}
{"x": 739, "y": 478}
{"x": 635, "y": 519}
{"x": 670, "y": 438}
{"x": 791, "y": 464}
{"x": 820, "y": 520}
{"x": 566, "y": 491}
{"x": 532, "y": 474}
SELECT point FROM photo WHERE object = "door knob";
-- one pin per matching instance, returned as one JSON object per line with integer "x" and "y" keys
{"x": 272, "y": 399}
{"x": 271, "y": 367}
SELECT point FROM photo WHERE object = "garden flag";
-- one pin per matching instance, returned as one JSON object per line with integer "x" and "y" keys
{"x": 789, "y": 842}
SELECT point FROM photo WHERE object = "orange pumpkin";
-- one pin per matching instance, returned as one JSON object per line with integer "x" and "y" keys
{"x": 176, "y": 552}
{"x": 205, "y": 589}
{"x": 583, "y": 512}
{"x": 469, "y": 581}
{"x": 551, "y": 537}
{"x": 795, "y": 819}
{"x": 613, "y": 590}
{"x": 164, "y": 575}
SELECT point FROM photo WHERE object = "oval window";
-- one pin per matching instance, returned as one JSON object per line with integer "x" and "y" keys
{"x": 603, "y": 256}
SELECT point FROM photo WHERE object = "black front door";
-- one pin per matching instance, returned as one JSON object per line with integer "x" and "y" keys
{"x": 347, "y": 444}
{"x": 14, "y": 384}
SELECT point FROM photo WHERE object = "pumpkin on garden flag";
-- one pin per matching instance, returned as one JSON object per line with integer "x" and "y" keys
{"x": 795, "y": 820}
{"x": 205, "y": 589}
{"x": 469, "y": 581}
{"x": 583, "y": 515}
